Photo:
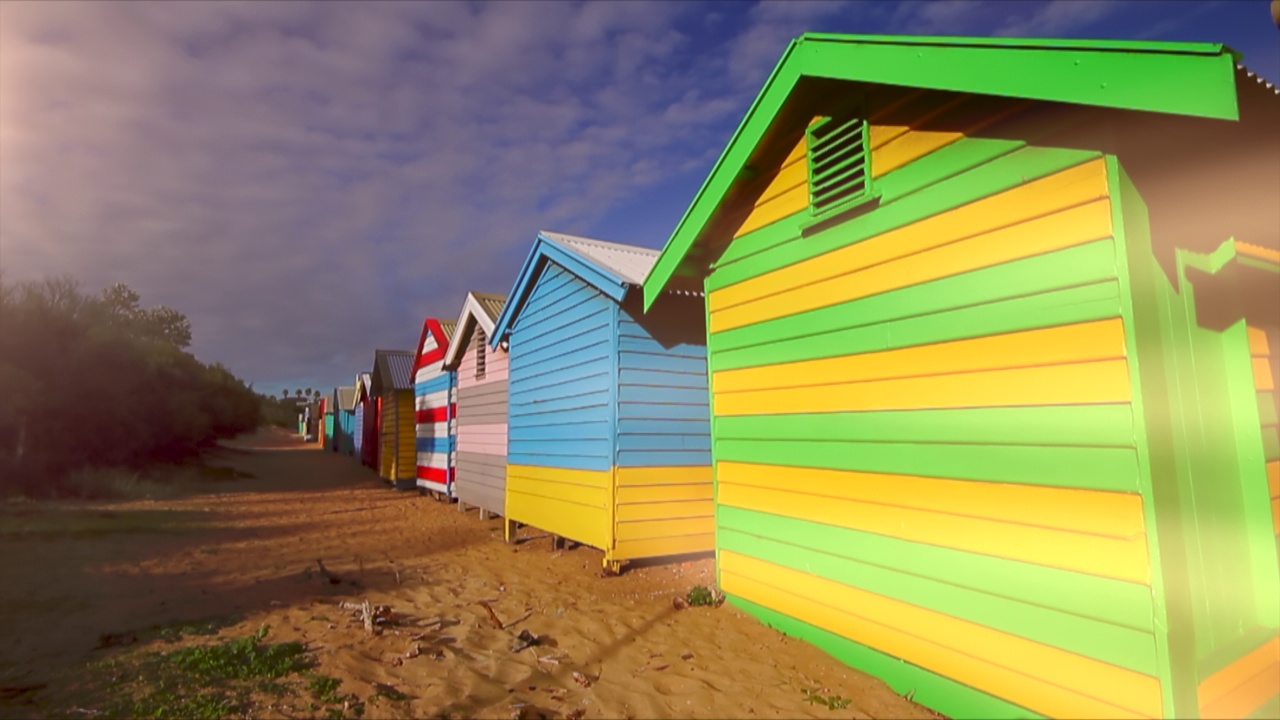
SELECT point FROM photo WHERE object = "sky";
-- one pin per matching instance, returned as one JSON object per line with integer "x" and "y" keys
{"x": 307, "y": 181}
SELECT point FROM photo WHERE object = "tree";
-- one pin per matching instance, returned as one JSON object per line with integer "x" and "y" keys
{"x": 120, "y": 306}
{"x": 307, "y": 393}
{"x": 297, "y": 392}
{"x": 284, "y": 394}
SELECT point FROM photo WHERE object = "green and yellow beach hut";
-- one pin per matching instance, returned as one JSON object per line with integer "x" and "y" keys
{"x": 992, "y": 339}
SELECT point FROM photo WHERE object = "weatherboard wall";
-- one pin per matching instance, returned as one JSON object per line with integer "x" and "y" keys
{"x": 397, "y": 458}
{"x": 482, "y": 427}
{"x": 561, "y": 412}
{"x": 924, "y": 431}
{"x": 357, "y": 431}
{"x": 663, "y": 497}
{"x": 936, "y": 441}
{"x": 1203, "y": 415}
{"x": 435, "y": 391}
{"x": 608, "y": 440}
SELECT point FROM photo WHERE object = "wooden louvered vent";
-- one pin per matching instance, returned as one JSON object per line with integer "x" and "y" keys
{"x": 839, "y": 163}
{"x": 481, "y": 346}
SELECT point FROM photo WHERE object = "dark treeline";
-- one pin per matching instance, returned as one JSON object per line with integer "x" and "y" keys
{"x": 99, "y": 381}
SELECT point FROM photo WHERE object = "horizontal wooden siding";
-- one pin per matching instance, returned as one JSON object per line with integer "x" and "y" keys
{"x": 924, "y": 436}
{"x": 663, "y": 497}
{"x": 560, "y": 426}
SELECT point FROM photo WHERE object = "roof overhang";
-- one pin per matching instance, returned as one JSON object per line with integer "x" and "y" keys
{"x": 1191, "y": 79}
{"x": 547, "y": 250}
{"x": 472, "y": 314}
{"x": 1237, "y": 281}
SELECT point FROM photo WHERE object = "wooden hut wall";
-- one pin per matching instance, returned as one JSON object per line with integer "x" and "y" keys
{"x": 435, "y": 405}
{"x": 357, "y": 431}
{"x": 397, "y": 456}
{"x": 930, "y": 380}
{"x": 482, "y": 424}
{"x": 663, "y": 495}
{"x": 560, "y": 431}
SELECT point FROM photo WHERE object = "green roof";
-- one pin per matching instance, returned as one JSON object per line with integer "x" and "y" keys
{"x": 1193, "y": 79}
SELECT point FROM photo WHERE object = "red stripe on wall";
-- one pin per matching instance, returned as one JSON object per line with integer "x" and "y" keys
{"x": 436, "y": 414}
{"x": 440, "y": 475}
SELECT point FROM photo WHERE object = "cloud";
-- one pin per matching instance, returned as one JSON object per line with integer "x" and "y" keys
{"x": 308, "y": 180}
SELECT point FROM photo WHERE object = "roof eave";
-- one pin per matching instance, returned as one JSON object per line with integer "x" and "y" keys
{"x": 547, "y": 249}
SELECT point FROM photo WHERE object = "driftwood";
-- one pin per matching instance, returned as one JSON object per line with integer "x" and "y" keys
{"x": 492, "y": 615}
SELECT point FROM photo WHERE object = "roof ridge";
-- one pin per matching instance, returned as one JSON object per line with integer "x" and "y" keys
{"x": 622, "y": 247}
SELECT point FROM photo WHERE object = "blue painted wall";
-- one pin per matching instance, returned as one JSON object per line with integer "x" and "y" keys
{"x": 561, "y": 381}
{"x": 357, "y": 429}
{"x": 663, "y": 414}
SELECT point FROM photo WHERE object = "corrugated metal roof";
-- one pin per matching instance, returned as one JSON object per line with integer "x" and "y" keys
{"x": 490, "y": 303}
{"x": 629, "y": 262}
{"x": 448, "y": 326}
{"x": 395, "y": 366}
{"x": 1261, "y": 80}
{"x": 347, "y": 398}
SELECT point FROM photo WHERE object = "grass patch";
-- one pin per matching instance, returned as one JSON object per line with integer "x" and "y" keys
{"x": 208, "y": 681}
{"x": 206, "y": 627}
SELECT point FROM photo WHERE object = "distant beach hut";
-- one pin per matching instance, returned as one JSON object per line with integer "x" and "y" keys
{"x": 481, "y": 378}
{"x": 608, "y": 439}
{"x": 366, "y": 422}
{"x": 434, "y": 408}
{"x": 327, "y": 427}
{"x": 992, "y": 335}
{"x": 344, "y": 404}
{"x": 391, "y": 382}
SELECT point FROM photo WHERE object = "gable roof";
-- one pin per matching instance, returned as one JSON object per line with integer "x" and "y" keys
{"x": 1194, "y": 79}
{"x": 612, "y": 268}
{"x": 433, "y": 343}
{"x": 480, "y": 309}
{"x": 392, "y": 370}
{"x": 363, "y": 381}
{"x": 346, "y": 398}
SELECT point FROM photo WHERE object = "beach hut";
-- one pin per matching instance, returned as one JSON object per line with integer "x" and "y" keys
{"x": 992, "y": 327}
{"x": 435, "y": 404}
{"x": 391, "y": 383}
{"x": 608, "y": 443}
{"x": 344, "y": 404}
{"x": 327, "y": 426}
{"x": 366, "y": 422}
{"x": 481, "y": 378}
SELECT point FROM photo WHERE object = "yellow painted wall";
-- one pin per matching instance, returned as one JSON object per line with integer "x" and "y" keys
{"x": 1093, "y": 532}
{"x": 398, "y": 458}
{"x": 1242, "y": 687}
{"x": 663, "y": 511}
{"x": 570, "y": 503}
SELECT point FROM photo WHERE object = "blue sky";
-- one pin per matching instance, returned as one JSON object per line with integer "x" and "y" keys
{"x": 308, "y": 181}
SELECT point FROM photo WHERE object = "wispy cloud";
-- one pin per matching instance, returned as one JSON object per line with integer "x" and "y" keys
{"x": 307, "y": 180}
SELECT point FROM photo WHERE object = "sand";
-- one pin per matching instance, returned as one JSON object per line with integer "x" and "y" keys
{"x": 247, "y": 548}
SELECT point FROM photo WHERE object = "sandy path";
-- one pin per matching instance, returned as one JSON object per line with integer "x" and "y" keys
{"x": 248, "y": 547}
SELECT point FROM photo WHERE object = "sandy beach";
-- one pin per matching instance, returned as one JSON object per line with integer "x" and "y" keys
{"x": 80, "y": 575}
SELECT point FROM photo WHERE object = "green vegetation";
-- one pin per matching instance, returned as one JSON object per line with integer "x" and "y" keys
{"x": 703, "y": 595}
{"x": 209, "y": 681}
{"x": 206, "y": 627}
{"x": 835, "y": 702}
{"x": 99, "y": 381}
